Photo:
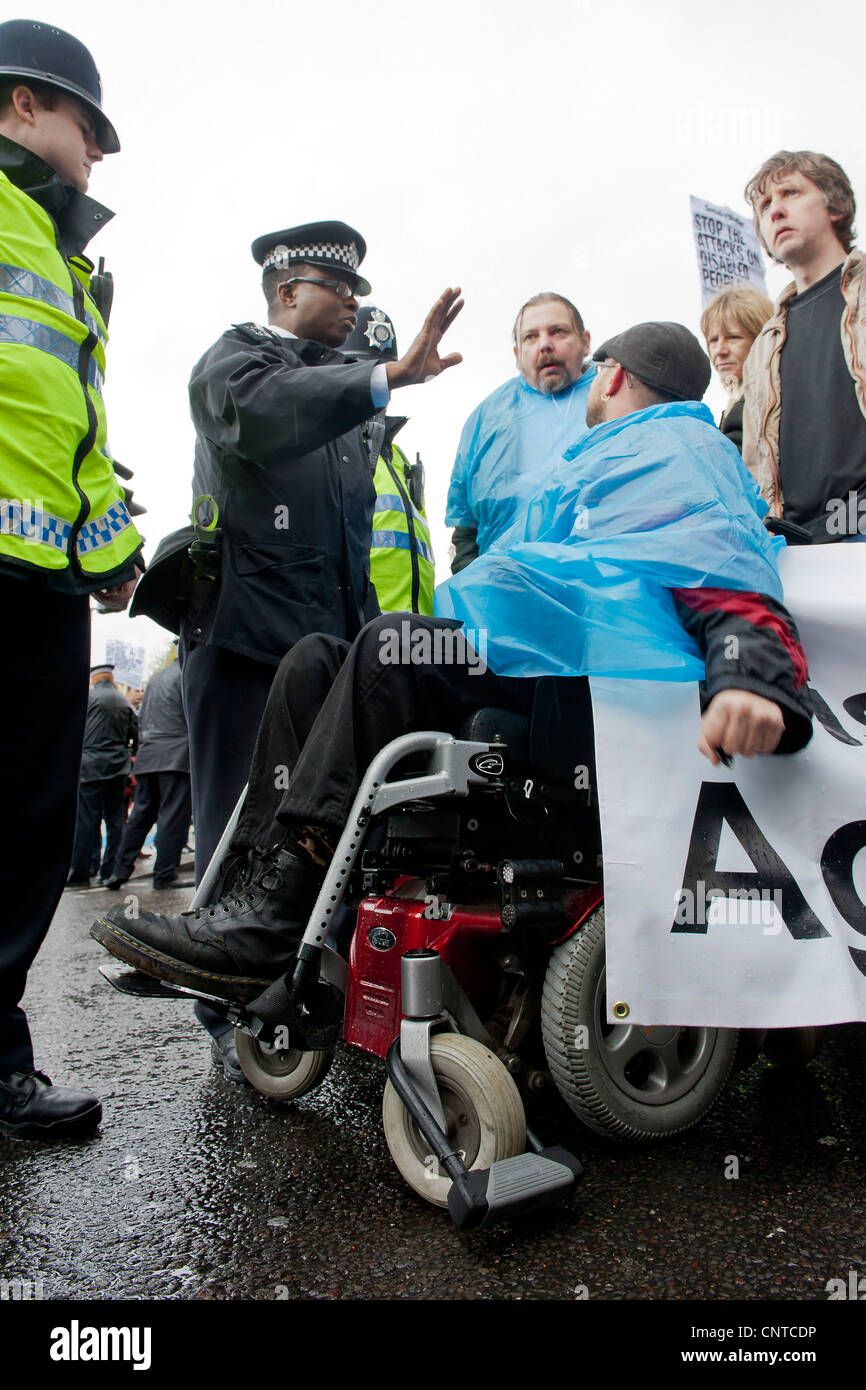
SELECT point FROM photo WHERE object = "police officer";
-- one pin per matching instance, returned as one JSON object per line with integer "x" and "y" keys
{"x": 285, "y": 501}
{"x": 401, "y": 555}
{"x": 65, "y": 528}
{"x": 284, "y": 498}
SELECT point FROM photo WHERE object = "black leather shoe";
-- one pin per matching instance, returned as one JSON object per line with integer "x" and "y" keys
{"x": 176, "y": 881}
{"x": 225, "y": 1055}
{"x": 31, "y": 1108}
{"x": 77, "y": 882}
{"x": 232, "y": 950}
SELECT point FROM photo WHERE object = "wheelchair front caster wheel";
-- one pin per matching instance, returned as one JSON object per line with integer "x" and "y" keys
{"x": 483, "y": 1113}
{"x": 280, "y": 1073}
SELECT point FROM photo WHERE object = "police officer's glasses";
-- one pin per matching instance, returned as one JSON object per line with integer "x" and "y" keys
{"x": 340, "y": 287}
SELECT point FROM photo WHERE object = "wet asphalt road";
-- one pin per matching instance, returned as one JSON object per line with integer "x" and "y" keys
{"x": 196, "y": 1188}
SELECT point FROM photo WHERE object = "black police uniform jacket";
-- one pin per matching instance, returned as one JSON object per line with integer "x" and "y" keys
{"x": 110, "y": 734}
{"x": 280, "y": 448}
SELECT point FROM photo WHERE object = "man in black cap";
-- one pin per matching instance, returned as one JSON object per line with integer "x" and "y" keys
{"x": 332, "y": 707}
{"x": 65, "y": 526}
{"x": 284, "y": 487}
{"x": 656, "y": 362}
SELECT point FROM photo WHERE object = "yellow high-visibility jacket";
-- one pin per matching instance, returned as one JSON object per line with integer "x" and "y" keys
{"x": 61, "y": 506}
{"x": 401, "y": 555}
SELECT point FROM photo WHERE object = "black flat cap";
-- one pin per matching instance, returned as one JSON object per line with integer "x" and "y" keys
{"x": 332, "y": 245}
{"x": 664, "y": 356}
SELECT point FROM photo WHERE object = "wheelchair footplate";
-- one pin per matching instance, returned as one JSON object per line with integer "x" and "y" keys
{"x": 126, "y": 980}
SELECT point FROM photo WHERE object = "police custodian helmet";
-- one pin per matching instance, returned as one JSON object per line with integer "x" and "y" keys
{"x": 45, "y": 54}
{"x": 372, "y": 337}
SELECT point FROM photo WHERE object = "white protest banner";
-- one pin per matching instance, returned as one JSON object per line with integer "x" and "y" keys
{"x": 737, "y": 898}
{"x": 728, "y": 249}
{"x": 128, "y": 659}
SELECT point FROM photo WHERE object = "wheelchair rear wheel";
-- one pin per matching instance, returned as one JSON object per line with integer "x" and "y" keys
{"x": 630, "y": 1083}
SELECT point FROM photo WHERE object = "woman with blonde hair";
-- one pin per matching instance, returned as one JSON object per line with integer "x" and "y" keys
{"x": 730, "y": 324}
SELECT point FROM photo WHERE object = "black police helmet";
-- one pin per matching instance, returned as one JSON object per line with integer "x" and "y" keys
{"x": 49, "y": 55}
{"x": 373, "y": 336}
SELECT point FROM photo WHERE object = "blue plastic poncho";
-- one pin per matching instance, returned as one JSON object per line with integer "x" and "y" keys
{"x": 506, "y": 451}
{"x": 579, "y": 585}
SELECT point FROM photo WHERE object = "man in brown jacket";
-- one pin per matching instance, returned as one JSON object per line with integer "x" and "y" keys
{"x": 804, "y": 426}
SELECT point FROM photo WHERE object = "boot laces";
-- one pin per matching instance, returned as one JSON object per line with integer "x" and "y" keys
{"x": 246, "y": 895}
{"x": 229, "y": 902}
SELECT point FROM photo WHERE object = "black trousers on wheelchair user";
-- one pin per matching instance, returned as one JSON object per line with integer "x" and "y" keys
{"x": 333, "y": 706}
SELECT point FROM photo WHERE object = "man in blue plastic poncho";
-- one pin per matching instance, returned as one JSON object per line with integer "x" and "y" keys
{"x": 509, "y": 441}
{"x": 646, "y": 556}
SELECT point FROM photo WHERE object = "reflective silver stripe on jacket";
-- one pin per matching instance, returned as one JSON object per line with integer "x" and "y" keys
{"x": 31, "y": 523}
{"x": 391, "y": 502}
{"x": 15, "y": 280}
{"x": 29, "y": 333}
{"x": 400, "y": 540}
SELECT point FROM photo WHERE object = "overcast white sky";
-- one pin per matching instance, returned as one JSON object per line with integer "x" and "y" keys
{"x": 506, "y": 147}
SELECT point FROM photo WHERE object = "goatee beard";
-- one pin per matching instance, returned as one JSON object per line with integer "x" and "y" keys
{"x": 552, "y": 385}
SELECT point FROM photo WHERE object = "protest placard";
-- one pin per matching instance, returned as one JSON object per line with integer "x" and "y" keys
{"x": 128, "y": 659}
{"x": 727, "y": 247}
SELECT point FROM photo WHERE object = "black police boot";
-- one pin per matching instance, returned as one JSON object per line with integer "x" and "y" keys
{"x": 232, "y": 950}
{"x": 224, "y": 1053}
{"x": 31, "y": 1108}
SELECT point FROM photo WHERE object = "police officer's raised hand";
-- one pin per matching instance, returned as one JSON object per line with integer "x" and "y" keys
{"x": 422, "y": 361}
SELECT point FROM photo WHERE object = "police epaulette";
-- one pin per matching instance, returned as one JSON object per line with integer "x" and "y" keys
{"x": 254, "y": 331}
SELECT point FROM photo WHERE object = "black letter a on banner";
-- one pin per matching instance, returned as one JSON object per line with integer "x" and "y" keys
{"x": 719, "y": 802}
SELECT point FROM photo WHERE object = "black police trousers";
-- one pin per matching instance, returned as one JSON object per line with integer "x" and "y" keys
{"x": 224, "y": 696}
{"x": 43, "y": 703}
{"x": 98, "y": 801}
{"x": 161, "y": 799}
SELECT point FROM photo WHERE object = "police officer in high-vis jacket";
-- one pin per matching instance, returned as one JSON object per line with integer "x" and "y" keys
{"x": 65, "y": 527}
{"x": 401, "y": 554}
